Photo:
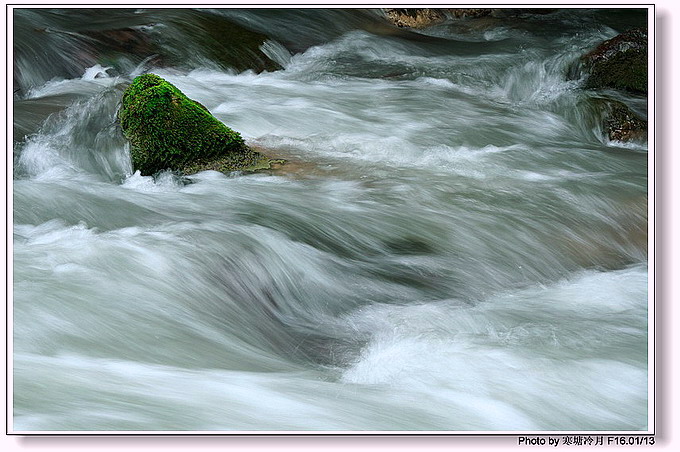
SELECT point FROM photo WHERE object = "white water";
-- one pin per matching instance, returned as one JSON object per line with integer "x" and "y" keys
{"x": 451, "y": 248}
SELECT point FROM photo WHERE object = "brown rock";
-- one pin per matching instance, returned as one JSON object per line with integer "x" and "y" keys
{"x": 621, "y": 124}
{"x": 415, "y": 18}
{"x": 425, "y": 17}
{"x": 473, "y": 12}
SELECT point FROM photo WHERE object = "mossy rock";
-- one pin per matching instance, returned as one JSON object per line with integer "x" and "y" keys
{"x": 619, "y": 63}
{"x": 169, "y": 131}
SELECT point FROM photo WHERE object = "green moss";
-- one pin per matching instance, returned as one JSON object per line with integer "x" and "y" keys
{"x": 167, "y": 130}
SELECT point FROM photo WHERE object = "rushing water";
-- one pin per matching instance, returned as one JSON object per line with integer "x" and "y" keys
{"x": 453, "y": 244}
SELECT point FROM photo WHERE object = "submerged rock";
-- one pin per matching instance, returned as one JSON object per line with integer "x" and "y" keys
{"x": 183, "y": 38}
{"x": 135, "y": 43}
{"x": 619, "y": 63}
{"x": 220, "y": 39}
{"x": 51, "y": 44}
{"x": 169, "y": 131}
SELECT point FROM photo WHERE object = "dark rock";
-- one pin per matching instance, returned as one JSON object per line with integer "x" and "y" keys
{"x": 169, "y": 131}
{"x": 538, "y": 11}
{"x": 222, "y": 40}
{"x": 619, "y": 63}
{"x": 133, "y": 42}
{"x": 185, "y": 38}
{"x": 65, "y": 45}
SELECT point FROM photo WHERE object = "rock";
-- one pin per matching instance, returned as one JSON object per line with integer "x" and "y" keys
{"x": 169, "y": 131}
{"x": 471, "y": 12}
{"x": 620, "y": 63}
{"x": 616, "y": 120}
{"x": 537, "y": 11}
{"x": 426, "y": 17}
{"x": 419, "y": 18}
{"x": 621, "y": 124}
{"x": 183, "y": 38}
{"x": 415, "y": 18}
{"x": 219, "y": 38}
{"x": 132, "y": 42}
